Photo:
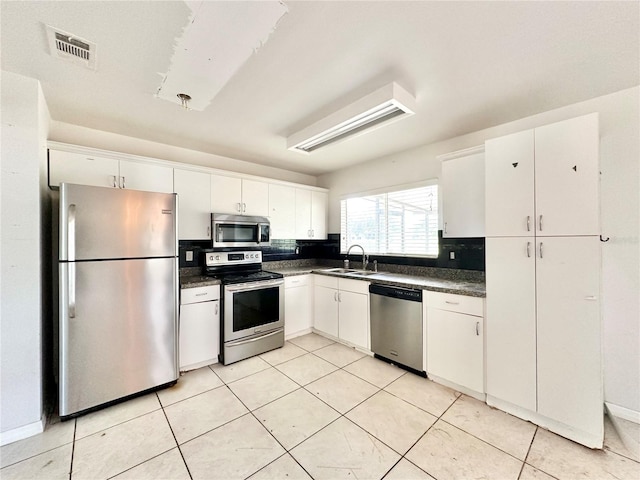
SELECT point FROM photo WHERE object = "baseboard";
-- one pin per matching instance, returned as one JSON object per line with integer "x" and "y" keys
{"x": 298, "y": 334}
{"x": 627, "y": 425}
{"x": 622, "y": 412}
{"x": 588, "y": 439}
{"x": 23, "y": 432}
{"x": 467, "y": 391}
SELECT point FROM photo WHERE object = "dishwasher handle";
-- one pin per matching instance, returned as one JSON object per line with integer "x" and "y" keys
{"x": 396, "y": 292}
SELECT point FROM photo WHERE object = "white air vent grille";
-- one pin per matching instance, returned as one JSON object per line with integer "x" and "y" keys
{"x": 72, "y": 48}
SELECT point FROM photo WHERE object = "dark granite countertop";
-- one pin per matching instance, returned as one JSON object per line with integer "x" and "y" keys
{"x": 192, "y": 281}
{"x": 460, "y": 286}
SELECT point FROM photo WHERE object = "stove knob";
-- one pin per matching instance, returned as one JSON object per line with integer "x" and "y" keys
{"x": 211, "y": 258}
{"x": 217, "y": 257}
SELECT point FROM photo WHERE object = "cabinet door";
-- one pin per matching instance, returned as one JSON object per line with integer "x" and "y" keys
{"x": 319, "y": 215}
{"x": 303, "y": 213}
{"x": 569, "y": 358}
{"x": 297, "y": 309}
{"x": 511, "y": 320}
{"x": 145, "y": 176}
{"x": 463, "y": 196}
{"x": 199, "y": 334}
{"x": 194, "y": 213}
{"x": 255, "y": 198}
{"x": 567, "y": 177}
{"x": 226, "y": 194}
{"x": 353, "y": 317}
{"x": 82, "y": 169}
{"x": 509, "y": 187}
{"x": 455, "y": 348}
{"x": 325, "y": 310}
{"x": 282, "y": 211}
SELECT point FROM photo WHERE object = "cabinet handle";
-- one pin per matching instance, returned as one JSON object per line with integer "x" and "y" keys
{"x": 478, "y": 329}
{"x": 540, "y": 249}
{"x": 452, "y": 303}
{"x": 309, "y": 233}
{"x": 209, "y": 232}
{"x": 445, "y": 227}
{"x": 244, "y": 207}
{"x": 540, "y": 222}
{"x": 339, "y": 297}
{"x": 115, "y": 184}
{"x": 123, "y": 184}
{"x": 528, "y": 223}
{"x": 216, "y": 310}
{"x": 313, "y": 233}
{"x": 529, "y": 249}
{"x": 591, "y": 297}
{"x": 335, "y": 296}
{"x": 239, "y": 207}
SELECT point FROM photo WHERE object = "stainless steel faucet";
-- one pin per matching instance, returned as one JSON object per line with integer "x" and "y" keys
{"x": 365, "y": 257}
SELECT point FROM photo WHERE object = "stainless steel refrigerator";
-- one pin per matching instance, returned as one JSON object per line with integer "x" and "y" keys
{"x": 118, "y": 295}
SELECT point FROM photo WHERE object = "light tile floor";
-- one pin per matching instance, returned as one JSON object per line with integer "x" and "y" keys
{"x": 313, "y": 409}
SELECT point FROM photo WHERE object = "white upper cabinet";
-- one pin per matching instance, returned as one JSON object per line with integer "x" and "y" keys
{"x": 144, "y": 176}
{"x": 282, "y": 211}
{"x": 99, "y": 171}
{"x": 255, "y": 198}
{"x": 194, "y": 212}
{"x": 509, "y": 170}
{"x": 462, "y": 186}
{"x": 311, "y": 214}
{"x": 239, "y": 196}
{"x": 567, "y": 177}
{"x": 226, "y": 194}
{"x": 544, "y": 181}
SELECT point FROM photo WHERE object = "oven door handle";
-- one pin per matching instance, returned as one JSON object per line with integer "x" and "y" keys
{"x": 245, "y": 287}
{"x": 251, "y": 340}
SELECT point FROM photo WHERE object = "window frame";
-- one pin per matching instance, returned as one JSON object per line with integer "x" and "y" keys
{"x": 385, "y": 191}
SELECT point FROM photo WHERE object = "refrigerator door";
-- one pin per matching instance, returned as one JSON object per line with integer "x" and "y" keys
{"x": 105, "y": 223}
{"x": 118, "y": 329}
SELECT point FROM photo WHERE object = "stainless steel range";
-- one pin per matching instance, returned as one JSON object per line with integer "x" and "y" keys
{"x": 252, "y": 320}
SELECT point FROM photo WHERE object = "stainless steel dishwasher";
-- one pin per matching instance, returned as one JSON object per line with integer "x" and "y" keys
{"x": 396, "y": 326}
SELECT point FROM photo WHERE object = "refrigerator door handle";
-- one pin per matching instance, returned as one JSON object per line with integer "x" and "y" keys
{"x": 72, "y": 290}
{"x": 71, "y": 233}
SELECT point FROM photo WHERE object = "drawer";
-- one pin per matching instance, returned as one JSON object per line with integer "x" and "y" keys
{"x": 199, "y": 294}
{"x": 455, "y": 303}
{"x": 326, "y": 281}
{"x": 296, "y": 281}
{"x": 356, "y": 286}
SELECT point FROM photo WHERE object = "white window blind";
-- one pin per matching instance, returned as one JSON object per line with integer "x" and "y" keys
{"x": 403, "y": 222}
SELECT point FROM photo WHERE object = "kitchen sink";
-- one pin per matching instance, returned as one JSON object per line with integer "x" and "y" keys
{"x": 350, "y": 272}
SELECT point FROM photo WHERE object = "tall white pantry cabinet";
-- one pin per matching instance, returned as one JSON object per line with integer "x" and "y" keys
{"x": 543, "y": 323}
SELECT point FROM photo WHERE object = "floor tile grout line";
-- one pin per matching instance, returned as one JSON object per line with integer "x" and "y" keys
{"x": 533, "y": 437}
{"x": 175, "y": 439}
{"x": 73, "y": 447}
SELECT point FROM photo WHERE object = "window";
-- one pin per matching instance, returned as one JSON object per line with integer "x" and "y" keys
{"x": 403, "y": 222}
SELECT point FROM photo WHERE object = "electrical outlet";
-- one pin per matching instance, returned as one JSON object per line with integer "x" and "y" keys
{"x": 189, "y": 255}
{"x": 452, "y": 255}
{"x": 297, "y": 250}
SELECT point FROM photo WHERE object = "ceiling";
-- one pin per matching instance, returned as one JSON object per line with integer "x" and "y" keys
{"x": 470, "y": 65}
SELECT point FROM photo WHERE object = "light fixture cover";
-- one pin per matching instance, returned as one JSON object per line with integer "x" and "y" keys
{"x": 381, "y": 107}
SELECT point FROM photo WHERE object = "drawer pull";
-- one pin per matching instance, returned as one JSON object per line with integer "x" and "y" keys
{"x": 452, "y": 303}
{"x": 201, "y": 294}
{"x": 477, "y": 328}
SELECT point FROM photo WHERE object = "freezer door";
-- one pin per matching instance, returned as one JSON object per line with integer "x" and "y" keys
{"x": 104, "y": 223}
{"x": 118, "y": 329}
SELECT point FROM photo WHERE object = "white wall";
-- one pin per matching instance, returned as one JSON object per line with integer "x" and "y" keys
{"x": 23, "y": 152}
{"x": 620, "y": 213}
{"x": 77, "y": 135}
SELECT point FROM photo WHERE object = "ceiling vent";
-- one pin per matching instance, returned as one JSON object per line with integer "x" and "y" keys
{"x": 71, "y": 47}
{"x": 387, "y": 104}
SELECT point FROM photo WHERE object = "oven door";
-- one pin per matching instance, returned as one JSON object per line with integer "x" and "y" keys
{"x": 253, "y": 308}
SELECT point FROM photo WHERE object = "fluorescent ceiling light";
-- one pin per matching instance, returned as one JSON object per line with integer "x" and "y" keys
{"x": 388, "y": 103}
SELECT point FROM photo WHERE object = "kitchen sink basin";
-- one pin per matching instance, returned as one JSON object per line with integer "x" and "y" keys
{"x": 350, "y": 272}
{"x": 339, "y": 270}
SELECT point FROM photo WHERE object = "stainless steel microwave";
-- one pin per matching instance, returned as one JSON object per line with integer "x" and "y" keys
{"x": 240, "y": 231}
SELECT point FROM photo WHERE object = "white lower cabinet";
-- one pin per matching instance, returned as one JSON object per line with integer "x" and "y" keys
{"x": 298, "y": 312}
{"x": 543, "y": 327}
{"x": 455, "y": 343}
{"x": 199, "y": 331}
{"x": 341, "y": 309}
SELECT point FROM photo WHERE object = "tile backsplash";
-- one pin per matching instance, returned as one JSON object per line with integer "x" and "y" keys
{"x": 467, "y": 253}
